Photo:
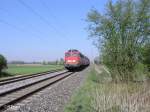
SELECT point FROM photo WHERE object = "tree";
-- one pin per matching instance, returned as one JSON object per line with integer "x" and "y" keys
{"x": 61, "y": 61}
{"x": 3, "y": 63}
{"x": 44, "y": 62}
{"x": 120, "y": 34}
{"x": 97, "y": 60}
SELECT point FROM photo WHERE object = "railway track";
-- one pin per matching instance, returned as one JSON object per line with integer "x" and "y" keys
{"x": 23, "y": 77}
{"x": 17, "y": 94}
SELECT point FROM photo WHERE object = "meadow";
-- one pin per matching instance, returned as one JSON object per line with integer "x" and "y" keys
{"x": 100, "y": 94}
{"x": 14, "y": 69}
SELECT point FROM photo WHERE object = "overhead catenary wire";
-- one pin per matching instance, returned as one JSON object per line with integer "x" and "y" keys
{"x": 11, "y": 25}
{"x": 34, "y": 30}
{"x": 18, "y": 28}
{"x": 41, "y": 17}
{"x": 53, "y": 16}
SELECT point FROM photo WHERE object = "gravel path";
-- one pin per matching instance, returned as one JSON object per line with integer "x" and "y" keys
{"x": 24, "y": 82}
{"x": 52, "y": 99}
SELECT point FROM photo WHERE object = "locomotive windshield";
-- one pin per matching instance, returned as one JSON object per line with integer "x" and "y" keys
{"x": 71, "y": 54}
{"x": 67, "y": 54}
{"x": 75, "y": 54}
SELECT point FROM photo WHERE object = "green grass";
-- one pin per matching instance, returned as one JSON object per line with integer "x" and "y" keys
{"x": 81, "y": 99}
{"x": 26, "y": 69}
{"x": 98, "y": 94}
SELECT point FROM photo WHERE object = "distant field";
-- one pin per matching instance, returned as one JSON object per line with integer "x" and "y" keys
{"x": 28, "y": 69}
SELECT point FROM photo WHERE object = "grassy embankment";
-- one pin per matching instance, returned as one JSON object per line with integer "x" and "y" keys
{"x": 99, "y": 94}
{"x": 29, "y": 69}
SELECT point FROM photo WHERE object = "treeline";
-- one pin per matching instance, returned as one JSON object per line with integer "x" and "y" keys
{"x": 56, "y": 62}
{"x": 122, "y": 35}
{"x": 3, "y": 63}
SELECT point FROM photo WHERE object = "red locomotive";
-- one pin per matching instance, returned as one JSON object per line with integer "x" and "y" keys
{"x": 75, "y": 59}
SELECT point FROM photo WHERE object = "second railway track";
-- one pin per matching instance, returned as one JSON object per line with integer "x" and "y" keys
{"x": 14, "y": 95}
{"x": 23, "y": 77}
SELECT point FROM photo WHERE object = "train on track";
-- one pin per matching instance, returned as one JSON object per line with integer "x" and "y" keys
{"x": 75, "y": 60}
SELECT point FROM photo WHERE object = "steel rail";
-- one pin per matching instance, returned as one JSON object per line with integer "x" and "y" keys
{"x": 15, "y": 95}
{"x": 29, "y": 84}
{"x": 23, "y": 77}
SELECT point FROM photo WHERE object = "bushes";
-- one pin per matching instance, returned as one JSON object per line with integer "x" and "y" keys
{"x": 140, "y": 72}
{"x": 146, "y": 55}
{"x": 100, "y": 77}
{"x": 3, "y": 63}
{"x": 98, "y": 95}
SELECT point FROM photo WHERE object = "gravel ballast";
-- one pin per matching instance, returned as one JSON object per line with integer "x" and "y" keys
{"x": 53, "y": 98}
{"x": 21, "y": 83}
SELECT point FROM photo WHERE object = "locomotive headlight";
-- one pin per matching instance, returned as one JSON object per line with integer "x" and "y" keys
{"x": 73, "y": 60}
{"x": 69, "y": 60}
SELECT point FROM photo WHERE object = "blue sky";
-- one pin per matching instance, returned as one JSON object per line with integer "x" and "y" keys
{"x": 36, "y": 30}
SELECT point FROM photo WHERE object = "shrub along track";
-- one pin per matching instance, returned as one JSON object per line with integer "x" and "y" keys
{"x": 15, "y": 95}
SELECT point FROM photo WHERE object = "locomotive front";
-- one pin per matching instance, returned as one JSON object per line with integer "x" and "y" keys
{"x": 72, "y": 59}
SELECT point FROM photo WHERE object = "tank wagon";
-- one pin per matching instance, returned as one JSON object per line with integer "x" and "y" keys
{"x": 74, "y": 60}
